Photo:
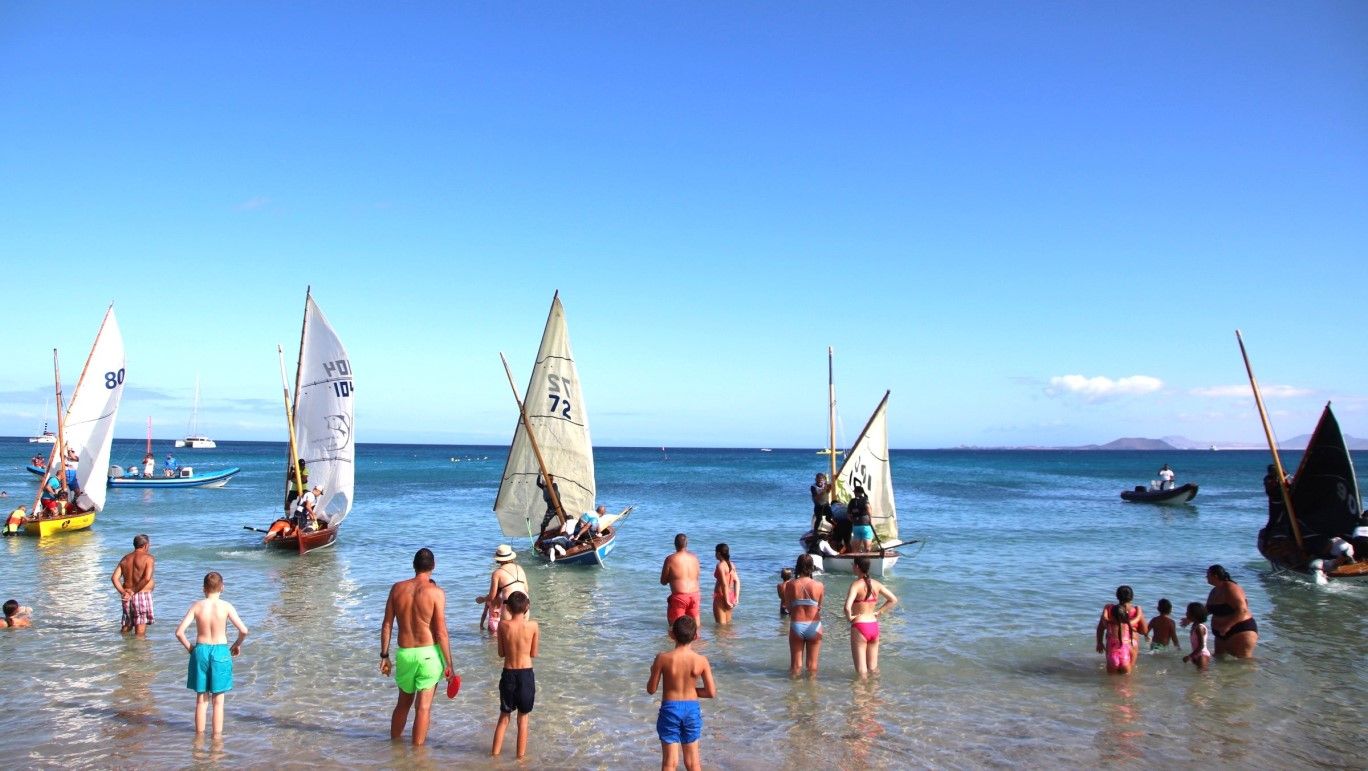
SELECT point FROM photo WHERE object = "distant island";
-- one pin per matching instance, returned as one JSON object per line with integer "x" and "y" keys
{"x": 1177, "y": 443}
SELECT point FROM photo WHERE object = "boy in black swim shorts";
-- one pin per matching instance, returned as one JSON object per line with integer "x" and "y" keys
{"x": 518, "y": 638}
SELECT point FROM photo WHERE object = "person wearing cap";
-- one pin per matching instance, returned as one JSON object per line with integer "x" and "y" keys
{"x": 15, "y": 520}
{"x": 506, "y": 578}
{"x": 306, "y": 510}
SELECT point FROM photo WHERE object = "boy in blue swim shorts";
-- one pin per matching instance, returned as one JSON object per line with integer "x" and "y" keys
{"x": 680, "y": 722}
{"x": 210, "y": 672}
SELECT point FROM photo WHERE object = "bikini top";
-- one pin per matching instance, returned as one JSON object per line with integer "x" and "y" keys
{"x": 517, "y": 579}
{"x": 1221, "y": 609}
{"x": 804, "y": 602}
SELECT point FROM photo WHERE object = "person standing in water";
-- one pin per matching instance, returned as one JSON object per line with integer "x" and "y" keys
{"x": 727, "y": 590}
{"x": 863, "y": 615}
{"x": 803, "y": 596}
{"x": 1232, "y": 624}
{"x": 680, "y": 573}
{"x": 1122, "y": 625}
{"x": 424, "y": 655}
{"x": 210, "y": 672}
{"x": 133, "y": 580}
{"x": 676, "y": 674}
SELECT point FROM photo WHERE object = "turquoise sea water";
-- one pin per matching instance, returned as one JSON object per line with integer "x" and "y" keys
{"x": 989, "y": 660}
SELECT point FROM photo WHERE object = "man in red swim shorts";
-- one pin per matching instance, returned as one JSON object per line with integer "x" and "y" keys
{"x": 680, "y": 573}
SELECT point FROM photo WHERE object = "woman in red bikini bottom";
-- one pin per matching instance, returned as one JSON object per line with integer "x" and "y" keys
{"x": 861, "y": 611}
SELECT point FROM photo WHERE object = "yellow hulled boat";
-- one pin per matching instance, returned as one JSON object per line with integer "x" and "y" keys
{"x": 51, "y": 526}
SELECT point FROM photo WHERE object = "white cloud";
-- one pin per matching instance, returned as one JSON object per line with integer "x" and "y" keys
{"x": 1244, "y": 392}
{"x": 254, "y": 203}
{"x": 1099, "y": 388}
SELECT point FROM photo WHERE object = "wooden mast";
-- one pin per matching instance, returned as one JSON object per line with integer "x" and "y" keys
{"x": 57, "y": 458}
{"x": 1272, "y": 446}
{"x": 831, "y": 426}
{"x": 550, "y": 486}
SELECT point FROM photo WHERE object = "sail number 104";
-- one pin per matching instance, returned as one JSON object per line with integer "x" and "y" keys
{"x": 340, "y": 368}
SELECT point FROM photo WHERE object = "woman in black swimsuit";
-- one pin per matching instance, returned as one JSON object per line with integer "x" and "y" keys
{"x": 1231, "y": 622}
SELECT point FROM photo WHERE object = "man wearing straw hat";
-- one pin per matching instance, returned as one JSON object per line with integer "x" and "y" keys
{"x": 506, "y": 578}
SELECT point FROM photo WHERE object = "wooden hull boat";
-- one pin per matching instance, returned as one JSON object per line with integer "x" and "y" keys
{"x": 585, "y": 553}
{"x": 827, "y": 561}
{"x": 303, "y": 543}
{"x": 1172, "y": 497}
{"x": 46, "y": 527}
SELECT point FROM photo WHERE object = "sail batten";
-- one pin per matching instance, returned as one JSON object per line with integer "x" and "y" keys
{"x": 555, "y": 410}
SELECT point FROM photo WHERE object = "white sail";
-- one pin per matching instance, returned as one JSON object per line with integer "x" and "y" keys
{"x": 94, "y": 406}
{"x": 867, "y": 463}
{"x": 554, "y": 403}
{"x": 323, "y": 414}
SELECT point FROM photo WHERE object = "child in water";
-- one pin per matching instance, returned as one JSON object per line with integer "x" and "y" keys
{"x": 785, "y": 576}
{"x": 210, "y": 673}
{"x": 680, "y": 722}
{"x": 1163, "y": 632}
{"x": 518, "y": 639}
{"x": 1197, "y": 636}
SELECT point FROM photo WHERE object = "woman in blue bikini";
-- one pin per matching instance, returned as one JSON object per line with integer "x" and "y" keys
{"x": 803, "y": 596}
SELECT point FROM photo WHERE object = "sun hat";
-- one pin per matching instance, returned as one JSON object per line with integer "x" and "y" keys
{"x": 504, "y": 553}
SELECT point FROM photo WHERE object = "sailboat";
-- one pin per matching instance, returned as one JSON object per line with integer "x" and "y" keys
{"x": 87, "y": 430}
{"x": 193, "y": 439}
{"x": 866, "y": 464}
{"x": 552, "y": 439}
{"x": 1319, "y": 503}
{"x": 322, "y": 445}
{"x": 47, "y": 437}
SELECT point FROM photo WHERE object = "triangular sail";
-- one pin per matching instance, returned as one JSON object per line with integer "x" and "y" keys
{"x": 323, "y": 413}
{"x": 867, "y": 463}
{"x": 555, "y": 409}
{"x": 89, "y": 425}
{"x": 1325, "y": 491}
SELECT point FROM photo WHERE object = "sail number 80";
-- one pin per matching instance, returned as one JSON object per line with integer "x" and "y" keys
{"x": 114, "y": 379}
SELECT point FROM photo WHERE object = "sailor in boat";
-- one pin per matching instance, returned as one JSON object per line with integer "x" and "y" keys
{"x": 38, "y": 462}
{"x": 172, "y": 467}
{"x": 550, "y": 504}
{"x": 72, "y": 458}
{"x": 590, "y": 525}
{"x": 560, "y": 541}
{"x": 307, "y": 517}
{"x": 1166, "y": 478}
{"x": 53, "y": 499}
{"x": 149, "y": 465}
{"x": 821, "y": 501}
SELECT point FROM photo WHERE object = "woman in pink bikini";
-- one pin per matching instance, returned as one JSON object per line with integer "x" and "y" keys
{"x": 860, "y": 610}
{"x": 1122, "y": 625}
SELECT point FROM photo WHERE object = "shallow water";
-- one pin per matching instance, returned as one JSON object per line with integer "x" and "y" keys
{"x": 989, "y": 660}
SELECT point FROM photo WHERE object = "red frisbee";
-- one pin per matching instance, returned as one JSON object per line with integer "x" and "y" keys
{"x": 453, "y": 686}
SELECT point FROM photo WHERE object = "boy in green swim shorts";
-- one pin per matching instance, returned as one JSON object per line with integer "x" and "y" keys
{"x": 424, "y": 654}
{"x": 210, "y": 673}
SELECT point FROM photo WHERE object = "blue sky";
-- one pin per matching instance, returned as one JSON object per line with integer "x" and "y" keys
{"x": 1035, "y": 223}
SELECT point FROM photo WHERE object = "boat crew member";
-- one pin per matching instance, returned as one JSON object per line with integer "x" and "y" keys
{"x": 72, "y": 458}
{"x": 15, "y": 521}
{"x": 52, "y": 490}
{"x": 172, "y": 466}
{"x": 149, "y": 465}
{"x": 1166, "y": 478}
{"x": 590, "y": 524}
{"x": 550, "y": 504}
{"x": 307, "y": 516}
{"x": 557, "y": 545}
{"x": 821, "y": 501}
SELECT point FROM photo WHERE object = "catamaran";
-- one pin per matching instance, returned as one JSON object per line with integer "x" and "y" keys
{"x": 1317, "y": 512}
{"x": 552, "y": 440}
{"x": 322, "y": 446}
{"x": 85, "y": 431}
{"x": 193, "y": 439}
{"x": 866, "y": 464}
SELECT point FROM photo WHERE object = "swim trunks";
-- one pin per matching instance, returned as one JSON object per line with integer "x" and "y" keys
{"x": 210, "y": 669}
{"x": 862, "y": 533}
{"x": 679, "y": 722}
{"x": 517, "y": 690}
{"x": 137, "y": 610}
{"x": 682, "y": 605}
{"x": 418, "y": 669}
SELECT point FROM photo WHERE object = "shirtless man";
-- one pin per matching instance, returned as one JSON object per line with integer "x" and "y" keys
{"x": 210, "y": 673}
{"x": 680, "y": 573}
{"x": 132, "y": 579}
{"x": 424, "y": 654}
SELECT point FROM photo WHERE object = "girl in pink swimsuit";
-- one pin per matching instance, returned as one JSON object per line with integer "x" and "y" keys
{"x": 1121, "y": 624}
{"x": 861, "y": 611}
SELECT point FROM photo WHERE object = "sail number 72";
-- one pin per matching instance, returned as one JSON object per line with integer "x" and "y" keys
{"x": 558, "y": 392}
